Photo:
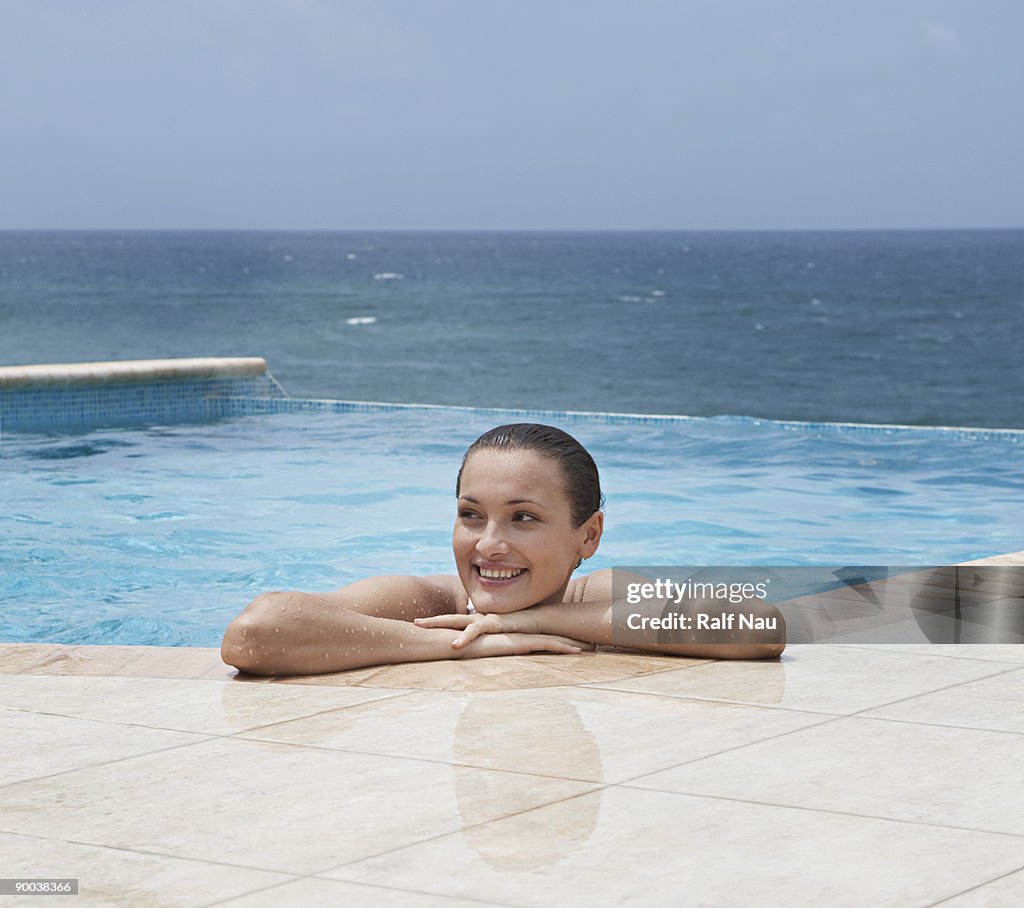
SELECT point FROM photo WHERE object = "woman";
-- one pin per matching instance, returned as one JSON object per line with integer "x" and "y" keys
{"x": 529, "y": 514}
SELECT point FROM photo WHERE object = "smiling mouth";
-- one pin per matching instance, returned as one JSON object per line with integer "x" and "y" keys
{"x": 493, "y": 576}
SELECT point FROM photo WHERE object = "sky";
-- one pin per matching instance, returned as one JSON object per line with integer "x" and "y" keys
{"x": 511, "y": 114}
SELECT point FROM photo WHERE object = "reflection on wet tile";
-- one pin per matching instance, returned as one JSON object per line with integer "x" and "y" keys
{"x": 108, "y": 877}
{"x": 653, "y": 848}
{"x": 830, "y": 679}
{"x": 504, "y": 673}
{"x": 134, "y": 661}
{"x": 872, "y": 767}
{"x": 197, "y": 706}
{"x": 272, "y": 806}
{"x": 575, "y": 733}
{"x": 30, "y": 743}
{"x": 995, "y": 703}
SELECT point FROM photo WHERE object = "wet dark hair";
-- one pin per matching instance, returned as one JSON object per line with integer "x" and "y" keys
{"x": 583, "y": 485}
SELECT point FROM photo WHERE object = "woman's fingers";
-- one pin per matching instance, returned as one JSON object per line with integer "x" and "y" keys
{"x": 554, "y": 644}
{"x": 472, "y": 631}
{"x": 586, "y": 647}
{"x": 558, "y": 647}
{"x": 472, "y": 626}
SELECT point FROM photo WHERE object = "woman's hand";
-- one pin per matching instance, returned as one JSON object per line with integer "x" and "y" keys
{"x": 518, "y": 624}
{"x": 518, "y": 645}
{"x": 474, "y": 626}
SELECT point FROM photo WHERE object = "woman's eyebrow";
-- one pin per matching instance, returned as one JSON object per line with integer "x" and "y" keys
{"x": 539, "y": 504}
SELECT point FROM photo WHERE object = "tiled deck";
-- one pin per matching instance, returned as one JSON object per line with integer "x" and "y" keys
{"x": 841, "y": 775}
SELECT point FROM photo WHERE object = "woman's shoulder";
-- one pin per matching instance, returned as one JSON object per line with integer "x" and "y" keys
{"x": 596, "y": 586}
{"x": 445, "y": 592}
{"x": 450, "y": 588}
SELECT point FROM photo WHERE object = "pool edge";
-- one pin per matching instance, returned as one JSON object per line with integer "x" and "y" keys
{"x": 204, "y": 663}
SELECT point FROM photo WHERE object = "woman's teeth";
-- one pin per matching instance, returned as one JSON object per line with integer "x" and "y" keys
{"x": 499, "y": 575}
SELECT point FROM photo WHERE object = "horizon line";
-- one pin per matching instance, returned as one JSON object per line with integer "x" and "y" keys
{"x": 181, "y": 229}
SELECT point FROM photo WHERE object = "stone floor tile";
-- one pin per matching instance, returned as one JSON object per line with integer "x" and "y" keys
{"x": 36, "y": 745}
{"x": 995, "y": 703}
{"x": 269, "y": 806}
{"x": 991, "y": 652}
{"x": 1004, "y": 892}
{"x": 117, "y": 878}
{"x": 197, "y": 706}
{"x": 837, "y": 680}
{"x": 130, "y": 661}
{"x": 315, "y": 891}
{"x": 619, "y": 846}
{"x": 956, "y": 777}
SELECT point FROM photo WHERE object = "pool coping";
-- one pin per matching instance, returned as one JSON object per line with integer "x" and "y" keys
{"x": 204, "y": 663}
{"x": 135, "y": 370}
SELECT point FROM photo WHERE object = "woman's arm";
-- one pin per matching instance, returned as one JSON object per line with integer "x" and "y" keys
{"x": 594, "y": 623}
{"x": 592, "y": 618}
{"x": 366, "y": 623}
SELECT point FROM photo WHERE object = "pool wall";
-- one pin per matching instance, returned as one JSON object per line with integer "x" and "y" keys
{"x": 90, "y": 395}
{"x": 77, "y": 396}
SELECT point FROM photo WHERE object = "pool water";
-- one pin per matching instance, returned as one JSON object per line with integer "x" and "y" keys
{"x": 162, "y": 534}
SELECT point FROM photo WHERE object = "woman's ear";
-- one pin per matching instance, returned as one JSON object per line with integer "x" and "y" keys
{"x": 592, "y": 531}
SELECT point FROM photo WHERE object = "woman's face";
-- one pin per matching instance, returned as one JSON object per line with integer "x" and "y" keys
{"x": 514, "y": 541}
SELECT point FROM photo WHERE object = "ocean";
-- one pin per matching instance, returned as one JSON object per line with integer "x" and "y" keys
{"x": 920, "y": 328}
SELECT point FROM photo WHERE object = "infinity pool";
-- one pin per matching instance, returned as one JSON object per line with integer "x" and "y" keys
{"x": 160, "y": 535}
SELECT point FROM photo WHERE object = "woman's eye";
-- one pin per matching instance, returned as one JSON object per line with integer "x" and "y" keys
{"x": 467, "y": 515}
{"x": 525, "y": 517}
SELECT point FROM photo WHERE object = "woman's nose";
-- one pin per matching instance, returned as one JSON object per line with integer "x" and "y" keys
{"x": 492, "y": 540}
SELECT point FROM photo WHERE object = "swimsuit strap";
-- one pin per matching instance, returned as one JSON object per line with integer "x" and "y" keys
{"x": 470, "y": 607}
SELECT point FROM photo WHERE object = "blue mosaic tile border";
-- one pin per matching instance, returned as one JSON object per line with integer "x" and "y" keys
{"x": 55, "y": 408}
{"x": 49, "y": 407}
{"x": 252, "y": 407}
